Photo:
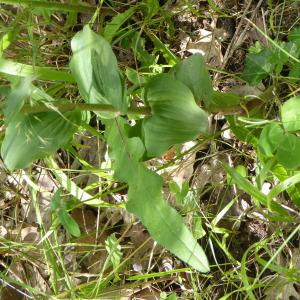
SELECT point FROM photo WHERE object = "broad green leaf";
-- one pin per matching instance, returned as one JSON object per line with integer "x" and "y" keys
{"x": 96, "y": 71}
{"x": 58, "y": 206}
{"x": 224, "y": 102}
{"x": 45, "y": 5}
{"x": 172, "y": 297}
{"x": 16, "y": 98}
{"x": 294, "y": 36}
{"x": 258, "y": 67}
{"x": 44, "y": 73}
{"x": 111, "y": 28}
{"x": 280, "y": 58}
{"x": 288, "y": 151}
{"x": 175, "y": 119}
{"x": 193, "y": 73}
{"x": 34, "y": 136}
{"x": 294, "y": 73}
{"x": 290, "y": 114}
{"x": 197, "y": 228}
{"x": 134, "y": 76}
{"x": 145, "y": 197}
{"x": 270, "y": 138}
{"x": 240, "y": 169}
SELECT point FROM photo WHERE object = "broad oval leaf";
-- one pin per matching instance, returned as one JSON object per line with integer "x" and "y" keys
{"x": 294, "y": 36}
{"x": 258, "y": 67}
{"x": 193, "y": 73}
{"x": 96, "y": 71}
{"x": 176, "y": 118}
{"x": 270, "y": 139}
{"x": 288, "y": 151}
{"x": 145, "y": 198}
{"x": 226, "y": 103}
{"x": 290, "y": 114}
{"x": 34, "y": 136}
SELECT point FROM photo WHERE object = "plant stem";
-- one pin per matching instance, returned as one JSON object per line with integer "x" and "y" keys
{"x": 71, "y": 7}
{"x": 63, "y": 107}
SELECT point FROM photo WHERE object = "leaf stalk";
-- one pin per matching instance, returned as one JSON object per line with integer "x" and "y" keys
{"x": 64, "y": 107}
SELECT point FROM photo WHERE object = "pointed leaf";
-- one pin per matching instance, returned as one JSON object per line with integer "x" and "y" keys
{"x": 254, "y": 192}
{"x": 34, "y": 136}
{"x": 226, "y": 103}
{"x": 16, "y": 98}
{"x": 193, "y": 73}
{"x": 176, "y": 118}
{"x": 44, "y": 73}
{"x": 117, "y": 21}
{"x": 145, "y": 198}
{"x": 96, "y": 71}
{"x": 68, "y": 223}
{"x": 270, "y": 139}
{"x": 58, "y": 206}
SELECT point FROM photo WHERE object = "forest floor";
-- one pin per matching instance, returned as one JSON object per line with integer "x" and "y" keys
{"x": 251, "y": 255}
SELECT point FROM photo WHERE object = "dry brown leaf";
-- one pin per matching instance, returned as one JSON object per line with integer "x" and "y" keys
{"x": 3, "y": 232}
{"x": 85, "y": 218}
{"x": 30, "y": 234}
{"x": 208, "y": 45}
{"x": 282, "y": 288}
{"x": 147, "y": 293}
{"x": 12, "y": 293}
{"x": 96, "y": 261}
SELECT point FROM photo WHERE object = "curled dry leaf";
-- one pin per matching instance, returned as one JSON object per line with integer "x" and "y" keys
{"x": 147, "y": 293}
{"x": 210, "y": 172}
{"x": 30, "y": 234}
{"x": 3, "y": 232}
{"x": 208, "y": 44}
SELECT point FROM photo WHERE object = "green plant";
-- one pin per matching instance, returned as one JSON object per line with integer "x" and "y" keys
{"x": 172, "y": 116}
{"x": 247, "y": 219}
{"x": 144, "y": 113}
